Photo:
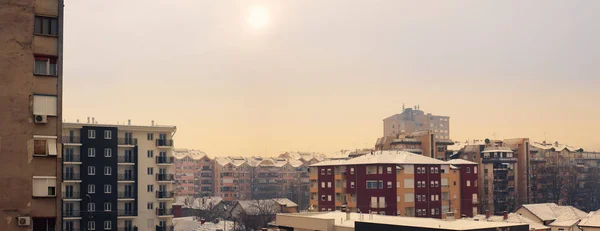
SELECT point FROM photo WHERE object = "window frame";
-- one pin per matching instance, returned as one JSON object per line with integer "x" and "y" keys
{"x": 91, "y": 188}
{"x": 107, "y": 225}
{"x": 91, "y": 207}
{"x": 91, "y": 225}
{"x": 49, "y": 61}
{"x": 107, "y": 152}
{"x": 107, "y": 188}
{"x": 91, "y": 134}
{"x": 107, "y": 170}
{"x": 52, "y": 31}
{"x": 107, "y": 134}
{"x": 91, "y": 170}
{"x": 107, "y": 206}
{"x": 91, "y": 152}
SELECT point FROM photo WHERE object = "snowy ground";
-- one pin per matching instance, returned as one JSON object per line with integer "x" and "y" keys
{"x": 188, "y": 224}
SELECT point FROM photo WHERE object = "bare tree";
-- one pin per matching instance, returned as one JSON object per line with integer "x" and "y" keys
{"x": 256, "y": 214}
{"x": 558, "y": 179}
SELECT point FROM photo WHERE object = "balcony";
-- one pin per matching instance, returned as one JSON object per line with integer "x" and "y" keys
{"x": 71, "y": 213}
{"x": 71, "y": 140}
{"x": 164, "y": 177}
{"x": 128, "y": 160}
{"x": 127, "y": 142}
{"x": 499, "y": 160}
{"x": 165, "y": 160}
{"x": 164, "y": 228}
{"x": 72, "y": 158}
{"x": 537, "y": 160}
{"x": 125, "y": 177}
{"x": 164, "y": 195}
{"x": 71, "y": 229}
{"x": 126, "y": 195}
{"x": 164, "y": 212}
{"x": 126, "y": 213}
{"x": 71, "y": 176}
{"x": 133, "y": 228}
{"x": 71, "y": 195}
{"x": 164, "y": 143}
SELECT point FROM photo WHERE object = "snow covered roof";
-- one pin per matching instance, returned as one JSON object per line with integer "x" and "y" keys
{"x": 284, "y": 201}
{"x": 459, "y": 162}
{"x": 202, "y": 203}
{"x": 458, "y": 145}
{"x": 497, "y": 149}
{"x": 512, "y": 218}
{"x": 592, "y": 220}
{"x": 305, "y": 156}
{"x": 384, "y": 157}
{"x": 563, "y": 216}
{"x": 194, "y": 154}
{"x": 189, "y": 224}
{"x": 557, "y": 146}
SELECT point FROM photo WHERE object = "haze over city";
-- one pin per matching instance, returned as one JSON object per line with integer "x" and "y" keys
{"x": 265, "y": 77}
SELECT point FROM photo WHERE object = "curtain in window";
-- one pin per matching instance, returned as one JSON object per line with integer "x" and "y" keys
{"x": 40, "y": 67}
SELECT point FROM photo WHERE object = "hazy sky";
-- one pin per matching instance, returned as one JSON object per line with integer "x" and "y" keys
{"x": 321, "y": 75}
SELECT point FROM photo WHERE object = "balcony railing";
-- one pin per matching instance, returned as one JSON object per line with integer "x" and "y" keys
{"x": 165, "y": 143}
{"x": 125, "y": 177}
{"x": 499, "y": 160}
{"x": 72, "y": 158}
{"x": 125, "y": 159}
{"x": 164, "y": 194}
{"x": 71, "y": 195}
{"x": 71, "y": 229}
{"x": 165, "y": 177}
{"x": 164, "y": 160}
{"x": 127, "y": 141}
{"x": 127, "y": 213}
{"x": 164, "y": 228}
{"x": 132, "y": 228}
{"x": 126, "y": 195}
{"x": 71, "y": 213}
{"x": 71, "y": 139}
{"x": 72, "y": 176}
{"x": 164, "y": 212}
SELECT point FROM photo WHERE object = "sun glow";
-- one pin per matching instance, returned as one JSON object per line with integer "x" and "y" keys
{"x": 258, "y": 17}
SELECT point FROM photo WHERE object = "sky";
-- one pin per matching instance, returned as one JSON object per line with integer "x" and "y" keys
{"x": 320, "y": 76}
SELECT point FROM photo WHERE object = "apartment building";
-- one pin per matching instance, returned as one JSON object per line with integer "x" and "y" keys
{"x": 233, "y": 178}
{"x": 193, "y": 173}
{"x": 394, "y": 183}
{"x": 30, "y": 114}
{"x": 420, "y": 142}
{"x": 413, "y": 120}
{"x": 117, "y": 177}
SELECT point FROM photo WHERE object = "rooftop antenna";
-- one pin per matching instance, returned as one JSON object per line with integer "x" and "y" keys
{"x": 545, "y": 138}
{"x": 403, "y": 107}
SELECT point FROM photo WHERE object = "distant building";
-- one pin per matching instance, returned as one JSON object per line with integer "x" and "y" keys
{"x": 421, "y": 142}
{"x": 193, "y": 173}
{"x": 413, "y": 120}
{"x": 394, "y": 183}
{"x": 341, "y": 221}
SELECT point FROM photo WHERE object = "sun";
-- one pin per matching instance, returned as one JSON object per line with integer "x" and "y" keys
{"x": 258, "y": 17}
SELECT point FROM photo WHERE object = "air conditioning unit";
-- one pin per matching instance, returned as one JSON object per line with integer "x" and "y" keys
{"x": 40, "y": 119}
{"x": 24, "y": 221}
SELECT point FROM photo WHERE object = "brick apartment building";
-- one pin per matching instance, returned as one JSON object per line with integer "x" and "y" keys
{"x": 395, "y": 183}
{"x": 31, "y": 84}
{"x": 193, "y": 173}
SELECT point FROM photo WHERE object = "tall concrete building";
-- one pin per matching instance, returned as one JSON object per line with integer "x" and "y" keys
{"x": 117, "y": 177}
{"x": 413, "y": 120}
{"x": 30, "y": 114}
{"x": 420, "y": 142}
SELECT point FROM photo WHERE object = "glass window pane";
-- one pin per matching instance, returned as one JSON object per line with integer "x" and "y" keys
{"x": 38, "y": 25}
{"x": 40, "y": 67}
{"x": 45, "y": 26}
{"x": 54, "y": 27}
{"x": 52, "y": 69}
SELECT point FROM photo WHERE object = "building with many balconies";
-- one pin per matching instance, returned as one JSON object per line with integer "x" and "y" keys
{"x": 193, "y": 173}
{"x": 117, "y": 177}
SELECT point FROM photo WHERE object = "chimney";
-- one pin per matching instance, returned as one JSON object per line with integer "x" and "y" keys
{"x": 88, "y": 120}
{"x": 487, "y": 214}
{"x": 152, "y": 122}
{"x": 347, "y": 214}
{"x": 505, "y": 215}
{"x": 77, "y": 120}
{"x": 129, "y": 122}
{"x": 93, "y": 119}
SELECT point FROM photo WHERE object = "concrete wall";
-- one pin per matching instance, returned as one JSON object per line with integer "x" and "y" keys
{"x": 307, "y": 223}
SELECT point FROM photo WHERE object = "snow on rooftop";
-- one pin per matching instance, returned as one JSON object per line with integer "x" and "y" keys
{"x": 459, "y": 162}
{"x": 458, "y": 145}
{"x": 202, "y": 203}
{"x": 284, "y": 201}
{"x": 404, "y": 221}
{"x": 189, "y": 224}
{"x": 384, "y": 157}
{"x": 512, "y": 218}
{"x": 564, "y": 216}
{"x": 591, "y": 220}
{"x": 182, "y": 153}
{"x": 557, "y": 146}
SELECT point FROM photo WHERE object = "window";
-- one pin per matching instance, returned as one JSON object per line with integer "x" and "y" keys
{"x": 418, "y": 184}
{"x": 409, "y": 183}
{"x": 322, "y": 184}
{"x": 432, "y": 197}
{"x": 380, "y": 170}
{"x": 150, "y": 136}
{"x": 468, "y": 170}
{"x": 150, "y": 206}
{"x": 445, "y": 196}
{"x": 389, "y": 170}
{"x": 475, "y": 169}
{"x": 389, "y": 184}
{"x": 371, "y": 170}
{"x": 351, "y": 170}
{"x": 91, "y": 225}
{"x": 328, "y": 171}
{"x": 352, "y": 184}
{"x": 150, "y": 154}
{"x": 44, "y": 186}
{"x": 380, "y": 184}
{"x": 91, "y": 134}
{"x": 150, "y": 188}
{"x": 419, "y": 198}
{"x": 432, "y": 184}
{"x": 107, "y": 135}
{"x": 437, "y": 170}
{"x": 437, "y": 184}
{"x": 328, "y": 184}
{"x": 91, "y": 207}
{"x": 409, "y": 211}
{"x": 322, "y": 171}
{"x": 373, "y": 202}
{"x": 91, "y": 152}
{"x": 322, "y": 197}
{"x": 91, "y": 170}
{"x": 150, "y": 171}
{"x": 45, "y": 26}
{"x": 444, "y": 182}
{"x": 468, "y": 183}
{"x": 431, "y": 170}
{"x": 397, "y": 184}
{"x": 328, "y": 197}
{"x": 398, "y": 200}
{"x": 107, "y": 206}
{"x": 107, "y": 170}
{"x": 44, "y": 147}
{"x": 409, "y": 197}
{"x": 107, "y": 188}
{"x": 418, "y": 170}
{"x": 45, "y": 105}
{"x": 107, "y": 225}
{"x": 91, "y": 188}
{"x": 371, "y": 184}
{"x": 381, "y": 202}
{"x": 107, "y": 152}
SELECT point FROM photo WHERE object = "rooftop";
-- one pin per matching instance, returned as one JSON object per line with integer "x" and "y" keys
{"x": 189, "y": 224}
{"x": 165, "y": 128}
{"x": 339, "y": 219}
{"x": 459, "y": 162}
{"x": 512, "y": 218}
{"x": 194, "y": 154}
{"x": 591, "y": 220}
{"x": 384, "y": 157}
{"x": 558, "y": 215}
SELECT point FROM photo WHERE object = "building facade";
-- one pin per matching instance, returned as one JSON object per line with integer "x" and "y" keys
{"x": 413, "y": 120}
{"x": 420, "y": 142}
{"x": 117, "y": 177}
{"x": 392, "y": 183}
{"x": 30, "y": 114}
{"x": 193, "y": 173}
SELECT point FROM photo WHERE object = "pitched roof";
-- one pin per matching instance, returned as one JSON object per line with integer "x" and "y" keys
{"x": 563, "y": 216}
{"x": 194, "y": 154}
{"x": 384, "y": 157}
{"x": 284, "y": 201}
{"x": 459, "y": 162}
{"x": 592, "y": 220}
{"x": 202, "y": 203}
{"x": 512, "y": 218}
